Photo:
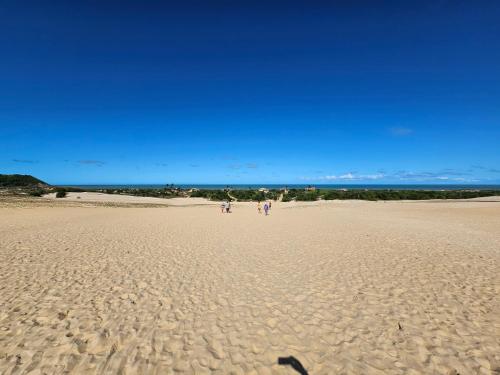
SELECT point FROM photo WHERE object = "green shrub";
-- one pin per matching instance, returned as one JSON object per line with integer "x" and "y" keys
{"x": 390, "y": 195}
{"x": 36, "y": 193}
{"x": 243, "y": 195}
{"x": 213, "y": 195}
{"x": 61, "y": 193}
{"x": 273, "y": 194}
{"x": 307, "y": 196}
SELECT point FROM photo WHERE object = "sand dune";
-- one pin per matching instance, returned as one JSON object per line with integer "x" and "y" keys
{"x": 130, "y": 199}
{"x": 345, "y": 287}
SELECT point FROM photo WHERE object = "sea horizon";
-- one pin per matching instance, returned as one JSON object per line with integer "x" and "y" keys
{"x": 293, "y": 186}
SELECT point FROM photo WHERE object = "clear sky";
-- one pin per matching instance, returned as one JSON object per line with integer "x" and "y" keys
{"x": 250, "y": 91}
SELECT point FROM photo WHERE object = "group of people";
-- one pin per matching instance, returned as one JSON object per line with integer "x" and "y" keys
{"x": 267, "y": 207}
{"x": 226, "y": 207}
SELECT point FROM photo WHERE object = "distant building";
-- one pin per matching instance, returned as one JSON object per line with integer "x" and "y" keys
{"x": 310, "y": 188}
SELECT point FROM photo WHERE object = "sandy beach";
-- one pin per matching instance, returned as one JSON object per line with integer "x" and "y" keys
{"x": 346, "y": 287}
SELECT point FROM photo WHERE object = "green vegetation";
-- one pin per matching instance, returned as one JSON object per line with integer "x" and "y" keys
{"x": 29, "y": 185}
{"x": 36, "y": 192}
{"x": 308, "y": 195}
{"x": 72, "y": 189}
{"x": 301, "y": 195}
{"x": 213, "y": 195}
{"x": 290, "y": 195}
{"x": 156, "y": 193}
{"x": 375, "y": 195}
{"x": 273, "y": 195}
{"x": 254, "y": 195}
{"x": 61, "y": 193}
{"x": 19, "y": 180}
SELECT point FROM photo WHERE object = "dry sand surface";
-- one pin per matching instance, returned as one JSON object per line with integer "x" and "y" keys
{"x": 345, "y": 287}
{"x": 116, "y": 198}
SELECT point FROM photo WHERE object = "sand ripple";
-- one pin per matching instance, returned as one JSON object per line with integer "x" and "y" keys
{"x": 345, "y": 288}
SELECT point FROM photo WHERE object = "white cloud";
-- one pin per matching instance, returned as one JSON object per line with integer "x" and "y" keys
{"x": 429, "y": 177}
{"x": 443, "y": 176}
{"x": 346, "y": 177}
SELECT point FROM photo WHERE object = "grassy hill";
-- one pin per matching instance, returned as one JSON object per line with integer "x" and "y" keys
{"x": 20, "y": 180}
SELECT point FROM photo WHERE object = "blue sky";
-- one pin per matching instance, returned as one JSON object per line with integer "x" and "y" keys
{"x": 250, "y": 92}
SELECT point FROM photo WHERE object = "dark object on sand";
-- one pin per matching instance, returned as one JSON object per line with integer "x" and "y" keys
{"x": 61, "y": 194}
{"x": 294, "y": 362}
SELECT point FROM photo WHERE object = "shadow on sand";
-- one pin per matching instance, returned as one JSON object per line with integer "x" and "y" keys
{"x": 294, "y": 363}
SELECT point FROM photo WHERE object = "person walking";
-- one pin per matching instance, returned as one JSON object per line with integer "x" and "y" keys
{"x": 266, "y": 208}
{"x": 222, "y": 206}
{"x": 228, "y": 207}
{"x": 259, "y": 208}
{"x": 269, "y": 205}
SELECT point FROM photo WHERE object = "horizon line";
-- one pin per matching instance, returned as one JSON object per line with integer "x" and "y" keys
{"x": 280, "y": 184}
